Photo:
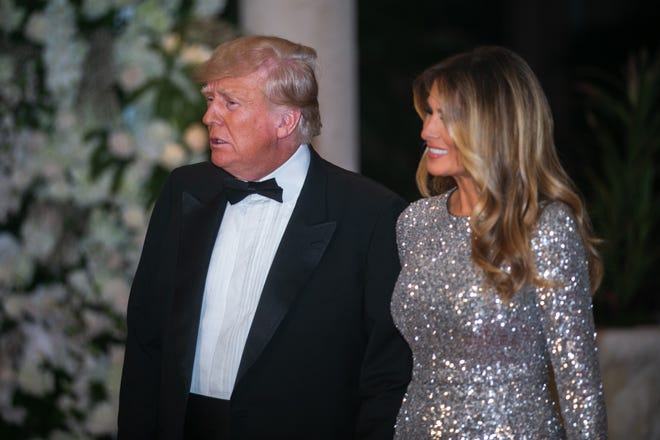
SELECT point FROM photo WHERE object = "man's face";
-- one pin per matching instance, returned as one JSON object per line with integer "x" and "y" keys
{"x": 243, "y": 127}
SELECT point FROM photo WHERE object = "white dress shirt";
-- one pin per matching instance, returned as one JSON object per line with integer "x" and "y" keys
{"x": 244, "y": 250}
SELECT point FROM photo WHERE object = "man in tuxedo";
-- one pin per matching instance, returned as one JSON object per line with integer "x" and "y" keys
{"x": 260, "y": 306}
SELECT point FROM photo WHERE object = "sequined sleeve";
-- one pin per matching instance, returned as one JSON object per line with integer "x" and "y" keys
{"x": 406, "y": 222}
{"x": 568, "y": 324}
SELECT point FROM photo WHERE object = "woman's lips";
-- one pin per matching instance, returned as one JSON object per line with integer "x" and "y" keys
{"x": 436, "y": 151}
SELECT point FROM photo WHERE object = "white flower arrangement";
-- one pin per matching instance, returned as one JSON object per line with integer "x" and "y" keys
{"x": 96, "y": 105}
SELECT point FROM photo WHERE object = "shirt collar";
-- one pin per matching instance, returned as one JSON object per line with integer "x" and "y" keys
{"x": 291, "y": 174}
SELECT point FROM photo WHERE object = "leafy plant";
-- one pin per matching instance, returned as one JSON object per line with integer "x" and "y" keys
{"x": 96, "y": 105}
{"x": 623, "y": 117}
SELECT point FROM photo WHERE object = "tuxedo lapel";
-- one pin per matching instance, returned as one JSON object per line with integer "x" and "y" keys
{"x": 304, "y": 241}
{"x": 200, "y": 222}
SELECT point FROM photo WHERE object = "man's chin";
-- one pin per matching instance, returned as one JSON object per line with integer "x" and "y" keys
{"x": 219, "y": 159}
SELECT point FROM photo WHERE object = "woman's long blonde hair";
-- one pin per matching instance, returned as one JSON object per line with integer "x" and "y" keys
{"x": 500, "y": 120}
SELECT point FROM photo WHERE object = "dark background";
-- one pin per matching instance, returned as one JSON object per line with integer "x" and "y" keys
{"x": 398, "y": 39}
{"x": 566, "y": 42}
{"x": 560, "y": 40}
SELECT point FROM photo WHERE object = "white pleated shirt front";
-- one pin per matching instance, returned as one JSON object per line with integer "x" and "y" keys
{"x": 248, "y": 238}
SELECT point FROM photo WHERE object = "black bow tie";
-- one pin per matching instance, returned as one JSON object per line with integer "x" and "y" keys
{"x": 237, "y": 190}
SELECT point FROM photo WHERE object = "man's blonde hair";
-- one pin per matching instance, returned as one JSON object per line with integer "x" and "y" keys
{"x": 290, "y": 78}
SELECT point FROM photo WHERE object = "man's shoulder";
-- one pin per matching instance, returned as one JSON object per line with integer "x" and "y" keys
{"x": 194, "y": 170}
{"x": 353, "y": 184}
{"x": 196, "y": 174}
{"x": 199, "y": 179}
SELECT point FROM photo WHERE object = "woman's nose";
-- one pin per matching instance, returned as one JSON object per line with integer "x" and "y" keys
{"x": 426, "y": 129}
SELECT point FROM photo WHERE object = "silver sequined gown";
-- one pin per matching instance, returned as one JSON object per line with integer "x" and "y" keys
{"x": 481, "y": 366}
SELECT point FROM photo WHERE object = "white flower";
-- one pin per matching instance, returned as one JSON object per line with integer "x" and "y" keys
{"x": 64, "y": 67}
{"x": 132, "y": 185}
{"x": 33, "y": 378}
{"x": 13, "y": 414}
{"x": 66, "y": 120}
{"x": 136, "y": 60}
{"x": 170, "y": 42}
{"x": 151, "y": 16}
{"x": 36, "y": 28}
{"x": 85, "y": 230}
{"x": 10, "y": 16}
{"x": 115, "y": 294}
{"x": 134, "y": 217}
{"x": 43, "y": 304}
{"x": 90, "y": 191}
{"x": 14, "y": 306}
{"x": 173, "y": 156}
{"x": 102, "y": 419}
{"x": 195, "y": 54}
{"x": 94, "y": 9}
{"x": 131, "y": 78}
{"x": 7, "y": 66}
{"x": 9, "y": 198}
{"x": 21, "y": 270}
{"x": 41, "y": 230}
{"x": 79, "y": 281}
{"x": 9, "y": 249}
{"x": 153, "y": 138}
{"x": 64, "y": 52}
{"x": 160, "y": 132}
{"x": 96, "y": 322}
{"x": 28, "y": 145}
{"x": 81, "y": 381}
{"x": 208, "y": 8}
{"x": 196, "y": 137}
{"x": 121, "y": 144}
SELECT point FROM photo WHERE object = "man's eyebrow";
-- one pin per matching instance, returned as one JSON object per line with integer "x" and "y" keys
{"x": 207, "y": 90}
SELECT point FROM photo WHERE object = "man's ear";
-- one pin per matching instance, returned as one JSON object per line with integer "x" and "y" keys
{"x": 287, "y": 122}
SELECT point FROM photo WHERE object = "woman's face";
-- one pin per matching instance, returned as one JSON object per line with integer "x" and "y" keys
{"x": 442, "y": 156}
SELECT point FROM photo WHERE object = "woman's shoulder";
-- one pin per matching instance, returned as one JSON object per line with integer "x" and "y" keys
{"x": 424, "y": 209}
{"x": 557, "y": 224}
{"x": 429, "y": 204}
{"x": 556, "y": 213}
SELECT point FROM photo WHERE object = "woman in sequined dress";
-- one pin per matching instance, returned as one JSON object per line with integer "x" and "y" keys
{"x": 498, "y": 265}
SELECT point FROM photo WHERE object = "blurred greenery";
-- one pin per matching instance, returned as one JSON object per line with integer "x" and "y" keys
{"x": 623, "y": 138}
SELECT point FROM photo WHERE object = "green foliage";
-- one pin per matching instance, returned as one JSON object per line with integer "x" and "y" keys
{"x": 623, "y": 116}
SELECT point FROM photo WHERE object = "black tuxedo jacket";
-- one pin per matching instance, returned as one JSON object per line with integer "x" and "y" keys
{"x": 323, "y": 359}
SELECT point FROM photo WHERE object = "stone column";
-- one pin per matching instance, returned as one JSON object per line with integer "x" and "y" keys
{"x": 329, "y": 26}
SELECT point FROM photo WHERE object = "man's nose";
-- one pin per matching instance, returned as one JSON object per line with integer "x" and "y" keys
{"x": 212, "y": 116}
